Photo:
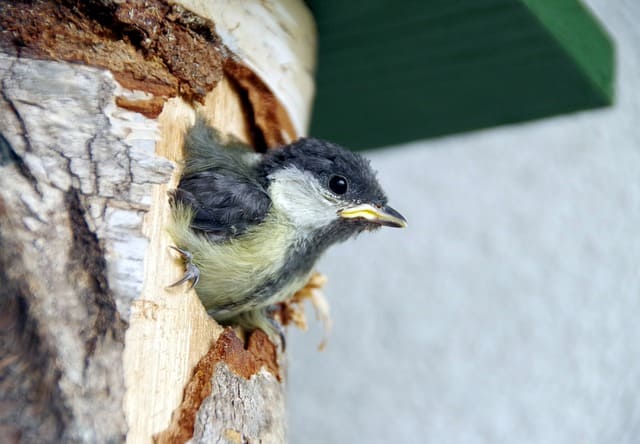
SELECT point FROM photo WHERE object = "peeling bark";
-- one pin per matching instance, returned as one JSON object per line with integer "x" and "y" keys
{"x": 62, "y": 256}
{"x": 258, "y": 414}
{"x": 229, "y": 373}
{"x": 90, "y": 339}
{"x": 149, "y": 45}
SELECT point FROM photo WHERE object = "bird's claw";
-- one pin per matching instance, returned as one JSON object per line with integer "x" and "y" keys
{"x": 191, "y": 272}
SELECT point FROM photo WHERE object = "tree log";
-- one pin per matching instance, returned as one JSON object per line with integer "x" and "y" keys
{"x": 94, "y": 348}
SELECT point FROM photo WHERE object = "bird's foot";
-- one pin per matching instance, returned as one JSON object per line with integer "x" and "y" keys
{"x": 263, "y": 319}
{"x": 191, "y": 271}
{"x": 276, "y": 326}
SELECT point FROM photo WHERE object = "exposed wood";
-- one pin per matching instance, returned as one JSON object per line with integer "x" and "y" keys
{"x": 284, "y": 56}
{"x": 97, "y": 350}
{"x": 148, "y": 45}
{"x": 259, "y": 412}
{"x": 165, "y": 49}
{"x": 169, "y": 331}
{"x": 246, "y": 378}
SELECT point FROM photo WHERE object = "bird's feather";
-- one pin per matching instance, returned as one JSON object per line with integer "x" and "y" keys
{"x": 220, "y": 184}
{"x": 254, "y": 225}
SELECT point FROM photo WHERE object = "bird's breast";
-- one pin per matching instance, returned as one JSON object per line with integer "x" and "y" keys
{"x": 265, "y": 264}
{"x": 245, "y": 272}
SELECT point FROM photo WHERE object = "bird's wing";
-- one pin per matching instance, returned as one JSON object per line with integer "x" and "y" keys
{"x": 223, "y": 205}
{"x": 220, "y": 185}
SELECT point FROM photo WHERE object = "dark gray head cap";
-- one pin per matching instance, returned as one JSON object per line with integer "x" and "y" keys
{"x": 325, "y": 160}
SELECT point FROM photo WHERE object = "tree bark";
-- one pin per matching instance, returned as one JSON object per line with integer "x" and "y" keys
{"x": 93, "y": 347}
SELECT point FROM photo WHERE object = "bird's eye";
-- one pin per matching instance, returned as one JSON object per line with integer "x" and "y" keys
{"x": 338, "y": 184}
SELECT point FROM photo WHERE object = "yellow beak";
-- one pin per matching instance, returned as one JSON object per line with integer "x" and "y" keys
{"x": 386, "y": 215}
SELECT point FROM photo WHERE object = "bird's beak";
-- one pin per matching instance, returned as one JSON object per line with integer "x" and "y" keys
{"x": 386, "y": 215}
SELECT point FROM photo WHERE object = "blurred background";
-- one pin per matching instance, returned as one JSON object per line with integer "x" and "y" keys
{"x": 509, "y": 310}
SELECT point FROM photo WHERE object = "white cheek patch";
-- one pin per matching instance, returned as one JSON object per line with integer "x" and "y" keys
{"x": 301, "y": 197}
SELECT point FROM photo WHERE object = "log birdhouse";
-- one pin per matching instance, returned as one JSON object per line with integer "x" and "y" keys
{"x": 95, "y": 100}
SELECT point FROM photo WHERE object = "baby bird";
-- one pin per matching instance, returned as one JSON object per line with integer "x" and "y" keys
{"x": 250, "y": 227}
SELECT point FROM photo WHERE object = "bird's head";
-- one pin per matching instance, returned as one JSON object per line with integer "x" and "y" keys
{"x": 322, "y": 186}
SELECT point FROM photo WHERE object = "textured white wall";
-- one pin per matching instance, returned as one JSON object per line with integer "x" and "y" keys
{"x": 509, "y": 310}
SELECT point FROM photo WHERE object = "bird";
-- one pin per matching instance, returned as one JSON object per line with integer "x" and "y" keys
{"x": 250, "y": 227}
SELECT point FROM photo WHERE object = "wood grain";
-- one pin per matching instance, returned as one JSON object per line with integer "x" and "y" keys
{"x": 100, "y": 350}
{"x": 169, "y": 330}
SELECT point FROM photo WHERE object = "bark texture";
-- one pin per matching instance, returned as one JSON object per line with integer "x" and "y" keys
{"x": 73, "y": 185}
{"x": 93, "y": 347}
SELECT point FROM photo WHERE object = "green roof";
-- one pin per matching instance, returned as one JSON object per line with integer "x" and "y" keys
{"x": 395, "y": 71}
